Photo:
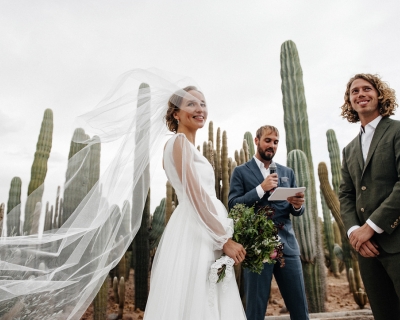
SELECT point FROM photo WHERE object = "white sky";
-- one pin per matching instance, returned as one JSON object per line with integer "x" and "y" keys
{"x": 65, "y": 55}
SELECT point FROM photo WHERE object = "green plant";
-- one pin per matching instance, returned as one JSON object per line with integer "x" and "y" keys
{"x": 38, "y": 173}
{"x": 307, "y": 234}
{"x": 298, "y": 137}
{"x": 14, "y": 203}
{"x": 250, "y": 142}
{"x": 359, "y": 295}
{"x": 329, "y": 237}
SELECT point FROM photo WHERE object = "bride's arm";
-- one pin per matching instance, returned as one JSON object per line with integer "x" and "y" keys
{"x": 184, "y": 164}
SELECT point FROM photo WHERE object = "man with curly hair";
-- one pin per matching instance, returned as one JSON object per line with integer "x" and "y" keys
{"x": 370, "y": 190}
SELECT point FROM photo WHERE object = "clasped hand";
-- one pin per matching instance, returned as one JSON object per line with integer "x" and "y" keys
{"x": 360, "y": 240}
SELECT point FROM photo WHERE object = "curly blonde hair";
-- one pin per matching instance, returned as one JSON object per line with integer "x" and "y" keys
{"x": 174, "y": 103}
{"x": 386, "y": 97}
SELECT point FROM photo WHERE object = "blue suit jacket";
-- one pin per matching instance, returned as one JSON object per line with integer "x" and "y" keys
{"x": 245, "y": 178}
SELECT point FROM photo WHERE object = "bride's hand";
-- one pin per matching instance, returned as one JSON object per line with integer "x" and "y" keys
{"x": 234, "y": 250}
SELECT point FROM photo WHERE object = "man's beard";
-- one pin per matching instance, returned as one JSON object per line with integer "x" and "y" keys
{"x": 262, "y": 154}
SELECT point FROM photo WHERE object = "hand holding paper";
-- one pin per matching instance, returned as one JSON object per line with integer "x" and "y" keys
{"x": 284, "y": 193}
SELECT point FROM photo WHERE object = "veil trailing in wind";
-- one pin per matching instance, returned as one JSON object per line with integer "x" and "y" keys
{"x": 52, "y": 267}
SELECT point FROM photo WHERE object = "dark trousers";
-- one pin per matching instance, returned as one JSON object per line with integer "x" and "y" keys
{"x": 291, "y": 285}
{"x": 381, "y": 278}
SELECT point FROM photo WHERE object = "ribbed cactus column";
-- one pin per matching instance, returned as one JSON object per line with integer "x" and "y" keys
{"x": 250, "y": 142}
{"x": 77, "y": 175}
{"x": 39, "y": 170}
{"x": 43, "y": 148}
{"x": 295, "y": 111}
{"x": 225, "y": 170}
{"x": 332, "y": 201}
{"x": 14, "y": 201}
{"x": 307, "y": 234}
{"x": 334, "y": 156}
{"x": 329, "y": 237}
{"x": 217, "y": 168}
{"x": 157, "y": 224}
{"x": 141, "y": 203}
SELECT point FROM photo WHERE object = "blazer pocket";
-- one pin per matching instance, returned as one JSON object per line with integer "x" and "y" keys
{"x": 284, "y": 182}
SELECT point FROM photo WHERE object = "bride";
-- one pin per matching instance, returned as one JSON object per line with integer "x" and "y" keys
{"x": 198, "y": 230}
{"x": 55, "y": 273}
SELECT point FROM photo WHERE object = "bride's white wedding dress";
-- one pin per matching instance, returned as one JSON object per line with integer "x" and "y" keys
{"x": 192, "y": 241}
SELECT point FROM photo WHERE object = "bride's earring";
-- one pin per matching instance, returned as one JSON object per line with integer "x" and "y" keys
{"x": 177, "y": 121}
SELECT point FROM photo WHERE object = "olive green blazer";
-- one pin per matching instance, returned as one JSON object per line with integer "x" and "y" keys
{"x": 371, "y": 190}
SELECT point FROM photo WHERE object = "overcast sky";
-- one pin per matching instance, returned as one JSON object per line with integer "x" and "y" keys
{"x": 65, "y": 55}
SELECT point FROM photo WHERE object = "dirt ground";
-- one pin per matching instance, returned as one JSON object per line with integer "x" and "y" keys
{"x": 338, "y": 299}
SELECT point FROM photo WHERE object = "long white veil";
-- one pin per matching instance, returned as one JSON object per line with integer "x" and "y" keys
{"x": 51, "y": 267}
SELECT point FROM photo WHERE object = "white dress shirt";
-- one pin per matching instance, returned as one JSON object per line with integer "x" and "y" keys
{"x": 265, "y": 172}
{"x": 367, "y": 133}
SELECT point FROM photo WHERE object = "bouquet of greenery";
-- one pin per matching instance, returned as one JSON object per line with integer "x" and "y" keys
{"x": 258, "y": 234}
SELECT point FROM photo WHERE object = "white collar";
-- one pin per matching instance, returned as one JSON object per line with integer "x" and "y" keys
{"x": 373, "y": 124}
{"x": 261, "y": 164}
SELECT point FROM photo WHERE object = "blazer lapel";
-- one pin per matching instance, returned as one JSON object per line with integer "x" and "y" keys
{"x": 379, "y": 132}
{"x": 256, "y": 170}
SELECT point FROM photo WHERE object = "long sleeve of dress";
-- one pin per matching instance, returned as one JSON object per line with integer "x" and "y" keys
{"x": 193, "y": 192}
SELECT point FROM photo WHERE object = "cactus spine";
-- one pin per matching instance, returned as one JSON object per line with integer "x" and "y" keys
{"x": 307, "y": 235}
{"x": 39, "y": 170}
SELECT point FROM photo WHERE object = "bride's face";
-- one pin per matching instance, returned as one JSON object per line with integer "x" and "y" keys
{"x": 193, "y": 110}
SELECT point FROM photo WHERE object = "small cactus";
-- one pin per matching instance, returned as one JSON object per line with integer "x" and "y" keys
{"x": 359, "y": 295}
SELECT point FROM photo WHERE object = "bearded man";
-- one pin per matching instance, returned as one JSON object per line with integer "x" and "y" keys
{"x": 251, "y": 184}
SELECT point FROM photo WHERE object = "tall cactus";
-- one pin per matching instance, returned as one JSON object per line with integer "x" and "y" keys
{"x": 39, "y": 169}
{"x": 169, "y": 200}
{"x": 296, "y": 122}
{"x": 307, "y": 233}
{"x": 329, "y": 237}
{"x": 77, "y": 175}
{"x": 332, "y": 201}
{"x": 217, "y": 168}
{"x": 334, "y": 156}
{"x": 250, "y": 142}
{"x": 56, "y": 210}
{"x": 225, "y": 169}
{"x": 158, "y": 224}
{"x": 43, "y": 148}
{"x": 3, "y": 220}
{"x": 14, "y": 201}
{"x": 140, "y": 190}
{"x": 295, "y": 111}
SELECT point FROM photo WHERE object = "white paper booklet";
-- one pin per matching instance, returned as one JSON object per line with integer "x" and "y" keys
{"x": 284, "y": 193}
